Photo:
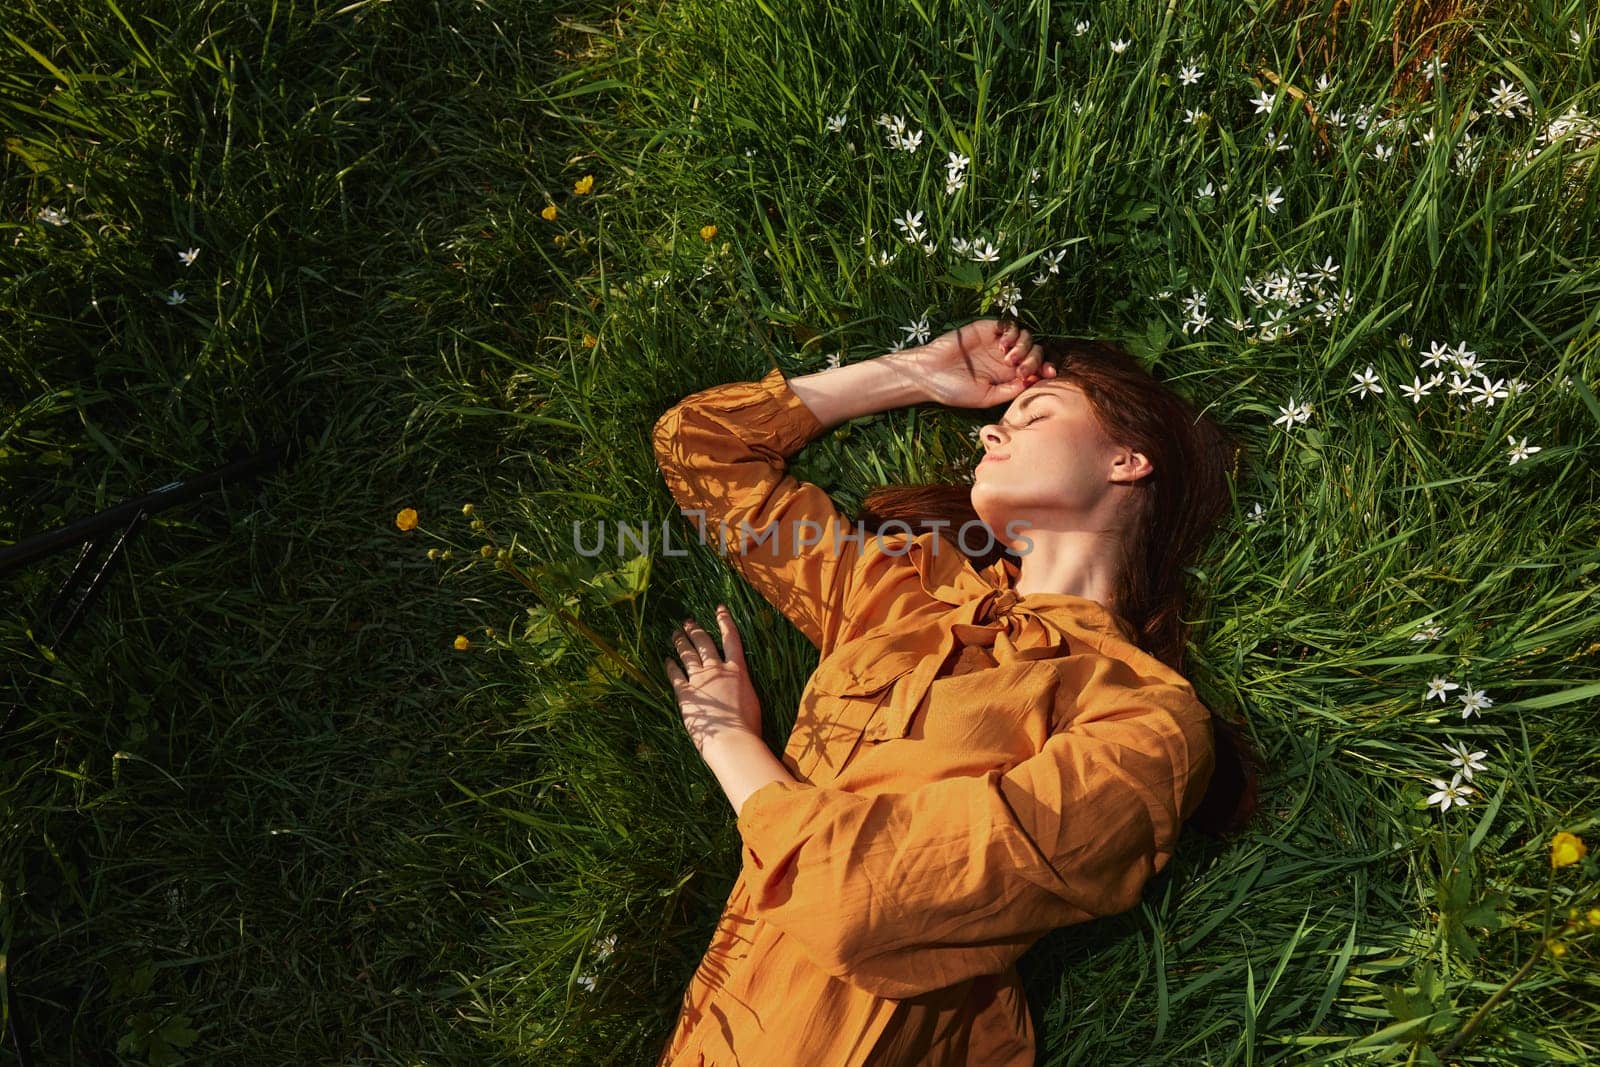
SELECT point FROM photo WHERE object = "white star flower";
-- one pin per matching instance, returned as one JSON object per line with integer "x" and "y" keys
{"x": 1276, "y": 141}
{"x": 1190, "y": 73}
{"x": 1430, "y": 632}
{"x": 835, "y": 123}
{"x": 1191, "y": 116}
{"x": 1263, "y": 101}
{"x": 1205, "y": 191}
{"x": 917, "y": 331}
{"x": 1120, "y": 46}
{"x": 187, "y": 257}
{"x": 1522, "y": 451}
{"x": 1258, "y": 514}
{"x": 1382, "y": 151}
{"x": 1272, "y": 200}
{"x": 884, "y": 257}
{"x": 1474, "y": 701}
{"x": 1080, "y": 28}
{"x": 1437, "y": 353}
{"x": 174, "y": 298}
{"x": 833, "y": 360}
{"x": 1465, "y": 759}
{"x": 985, "y": 252}
{"x": 1452, "y": 793}
{"x": 1052, "y": 260}
{"x": 1416, "y": 390}
{"x": 1323, "y": 82}
{"x": 52, "y": 216}
{"x": 1438, "y": 686}
{"x": 1295, "y": 412}
{"x": 1366, "y": 383}
{"x": 910, "y": 225}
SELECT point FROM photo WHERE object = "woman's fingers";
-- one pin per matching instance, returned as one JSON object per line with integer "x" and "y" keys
{"x": 686, "y": 649}
{"x": 703, "y": 644}
{"x": 732, "y": 643}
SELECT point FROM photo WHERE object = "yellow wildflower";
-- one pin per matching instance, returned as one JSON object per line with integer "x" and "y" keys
{"x": 433, "y": 553}
{"x": 590, "y": 340}
{"x": 466, "y": 509}
{"x": 1594, "y": 916}
{"x": 707, "y": 232}
{"x": 583, "y": 184}
{"x": 559, "y": 240}
{"x": 407, "y": 519}
{"x": 549, "y": 213}
{"x": 1566, "y": 849}
{"x": 486, "y": 551}
{"x": 1556, "y": 948}
{"x": 462, "y": 644}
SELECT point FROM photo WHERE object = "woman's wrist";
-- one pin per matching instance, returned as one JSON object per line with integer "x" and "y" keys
{"x": 742, "y": 763}
{"x": 839, "y": 394}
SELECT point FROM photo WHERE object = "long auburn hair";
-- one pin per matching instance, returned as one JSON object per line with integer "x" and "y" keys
{"x": 1178, "y": 505}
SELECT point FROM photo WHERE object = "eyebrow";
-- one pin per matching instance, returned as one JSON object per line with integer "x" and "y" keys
{"x": 1025, "y": 399}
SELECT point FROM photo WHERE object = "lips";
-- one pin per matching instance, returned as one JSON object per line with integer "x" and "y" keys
{"x": 991, "y": 458}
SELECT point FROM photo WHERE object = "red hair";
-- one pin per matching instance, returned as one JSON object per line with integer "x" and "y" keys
{"x": 1176, "y": 510}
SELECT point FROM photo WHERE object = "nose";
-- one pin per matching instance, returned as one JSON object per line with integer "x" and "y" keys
{"x": 991, "y": 436}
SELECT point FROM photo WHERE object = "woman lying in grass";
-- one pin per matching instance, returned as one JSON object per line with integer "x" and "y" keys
{"x": 998, "y": 740}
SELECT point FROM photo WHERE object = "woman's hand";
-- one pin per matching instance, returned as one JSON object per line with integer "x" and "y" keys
{"x": 984, "y": 363}
{"x": 715, "y": 696}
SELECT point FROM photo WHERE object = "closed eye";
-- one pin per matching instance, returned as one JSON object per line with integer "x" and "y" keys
{"x": 1029, "y": 422}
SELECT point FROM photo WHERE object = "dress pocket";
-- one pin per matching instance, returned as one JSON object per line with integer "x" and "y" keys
{"x": 999, "y": 716}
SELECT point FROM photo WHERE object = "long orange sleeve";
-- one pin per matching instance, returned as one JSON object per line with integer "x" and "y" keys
{"x": 904, "y": 893}
{"x": 723, "y": 453}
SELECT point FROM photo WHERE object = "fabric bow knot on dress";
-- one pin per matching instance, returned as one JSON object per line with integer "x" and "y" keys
{"x": 985, "y": 623}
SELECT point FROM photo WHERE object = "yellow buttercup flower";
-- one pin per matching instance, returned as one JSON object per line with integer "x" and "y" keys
{"x": 590, "y": 340}
{"x": 707, "y": 232}
{"x": 1556, "y": 948}
{"x": 462, "y": 644}
{"x": 583, "y": 184}
{"x": 1593, "y": 916}
{"x": 407, "y": 519}
{"x": 467, "y": 509}
{"x": 549, "y": 213}
{"x": 486, "y": 551}
{"x": 1566, "y": 849}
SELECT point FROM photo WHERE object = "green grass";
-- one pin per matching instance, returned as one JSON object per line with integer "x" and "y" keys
{"x": 259, "y": 809}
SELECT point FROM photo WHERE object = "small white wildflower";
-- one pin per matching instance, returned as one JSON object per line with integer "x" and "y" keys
{"x": 1522, "y": 451}
{"x": 1263, "y": 101}
{"x": 1190, "y": 73}
{"x": 1205, "y": 191}
{"x": 174, "y": 298}
{"x": 1452, "y": 793}
{"x": 1272, "y": 200}
{"x": 1120, "y": 46}
{"x": 52, "y": 216}
{"x": 187, "y": 257}
{"x": 1475, "y": 700}
{"x": 1080, "y": 27}
{"x": 917, "y": 331}
{"x": 1465, "y": 759}
{"x": 1416, "y": 390}
{"x": 1438, "y": 686}
{"x": 985, "y": 252}
{"x": 1258, "y": 514}
{"x": 1366, "y": 383}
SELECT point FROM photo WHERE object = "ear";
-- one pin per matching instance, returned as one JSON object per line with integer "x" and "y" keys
{"x": 1131, "y": 466}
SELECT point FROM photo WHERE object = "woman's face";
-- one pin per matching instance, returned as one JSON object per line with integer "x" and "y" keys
{"x": 1048, "y": 465}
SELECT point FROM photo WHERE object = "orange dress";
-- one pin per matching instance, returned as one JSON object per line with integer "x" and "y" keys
{"x": 973, "y": 769}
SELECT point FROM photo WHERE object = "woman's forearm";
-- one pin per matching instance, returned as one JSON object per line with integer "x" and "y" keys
{"x": 840, "y": 394}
